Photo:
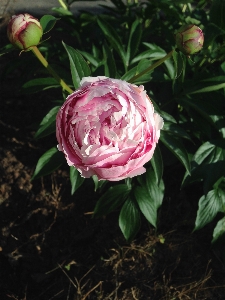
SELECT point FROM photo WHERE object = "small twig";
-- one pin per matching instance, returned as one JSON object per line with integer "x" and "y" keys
{"x": 95, "y": 287}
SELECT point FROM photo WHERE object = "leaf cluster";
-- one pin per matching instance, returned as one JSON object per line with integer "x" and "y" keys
{"x": 187, "y": 92}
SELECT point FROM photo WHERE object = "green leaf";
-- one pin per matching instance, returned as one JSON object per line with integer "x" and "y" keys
{"x": 209, "y": 162}
{"x": 176, "y": 147}
{"x": 208, "y": 207}
{"x": 78, "y": 66}
{"x": 150, "y": 195}
{"x": 176, "y": 130}
{"x": 170, "y": 68}
{"x": 157, "y": 164}
{"x": 113, "y": 198}
{"x": 113, "y": 38}
{"x": 89, "y": 57}
{"x": 48, "y": 22}
{"x": 75, "y": 179}
{"x": 179, "y": 64}
{"x": 150, "y": 55}
{"x": 129, "y": 219}
{"x": 219, "y": 230}
{"x": 47, "y": 125}
{"x": 142, "y": 65}
{"x": 208, "y": 88}
{"x": 48, "y": 162}
{"x": 38, "y": 85}
{"x": 109, "y": 62}
{"x": 134, "y": 40}
{"x": 206, "y": 85}
{"x": 146, "y": 204}
{"x": 98, "y": 183}
{"x": 155, "y": 190}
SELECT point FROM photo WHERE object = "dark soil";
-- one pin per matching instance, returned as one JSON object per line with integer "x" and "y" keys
{"x": 52, "y": 248}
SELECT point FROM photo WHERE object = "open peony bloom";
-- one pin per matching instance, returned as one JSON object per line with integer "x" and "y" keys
{"x": 24, "y": 31}
{"x": 108, "y": 128}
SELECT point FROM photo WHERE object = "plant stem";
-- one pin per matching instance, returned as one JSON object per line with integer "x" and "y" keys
{"x": 44, "y": 62}
{"x": 61, "y": 2}
{"x": 156, "y": 64}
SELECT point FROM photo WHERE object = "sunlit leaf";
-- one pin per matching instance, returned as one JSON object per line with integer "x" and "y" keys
{"x": 78, "y": 66}
{"x": 209, "y": 206}
{"x": 48, "y": 162}
{"x": 149, "y": 195}
{"x": 209, "y": 162}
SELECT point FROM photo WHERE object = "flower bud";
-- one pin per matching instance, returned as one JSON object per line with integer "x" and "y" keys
{"x": 189, "y": 39}
{"x": 24, "y": 31}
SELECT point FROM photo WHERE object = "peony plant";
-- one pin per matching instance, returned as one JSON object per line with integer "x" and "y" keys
{"x": 108, "y": 129}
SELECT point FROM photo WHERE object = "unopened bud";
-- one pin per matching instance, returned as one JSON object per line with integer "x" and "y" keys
{"x": 189, "y": 39}
{"x": 24, "y": 31}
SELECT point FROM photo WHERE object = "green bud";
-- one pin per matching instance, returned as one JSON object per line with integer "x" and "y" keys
{"x": 24, "y": 31}
{"x": 189, "y": 39}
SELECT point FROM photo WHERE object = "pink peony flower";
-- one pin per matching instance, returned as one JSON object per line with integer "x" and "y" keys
{"x": 108, "y": 128}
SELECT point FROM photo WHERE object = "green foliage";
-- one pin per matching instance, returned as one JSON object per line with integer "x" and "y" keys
{"x": 209, "y": 206}
{"x": 78, "y": 66}
{"x": 176, "y": 147}
{"x": 75, "y": 179}
{"x": 129, "y": 219}
{"x": 219, "y": 230}
{"x": 48, "y": 22}
{"x": 187, "y": 92}
{"x": 149, "y": 196}
{"x": 113, "y": 198}
{"x": 39, "y": 84}
{"x": 157, "y": 164}
{"x": 47, "y": 125}
{"x": 48, "y": 162}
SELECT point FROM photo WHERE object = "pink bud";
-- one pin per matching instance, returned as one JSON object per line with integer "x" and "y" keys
{"x": 24, "y": 31}
{"x": 189, "y": 39}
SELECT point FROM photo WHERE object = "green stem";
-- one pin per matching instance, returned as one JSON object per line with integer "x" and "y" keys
{"x": 156, "y": 64}
{"x": 44, "y": 62}
{"x": 61, "y": 2}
